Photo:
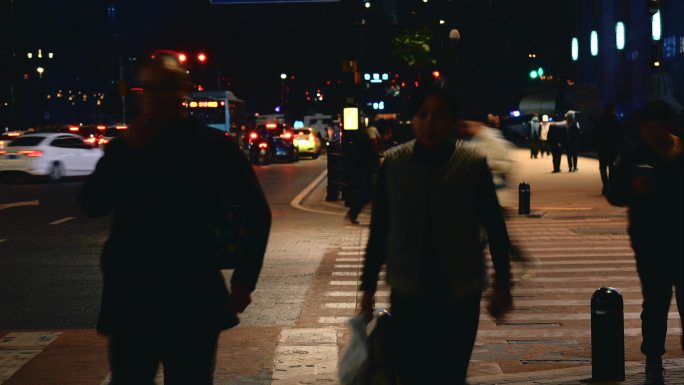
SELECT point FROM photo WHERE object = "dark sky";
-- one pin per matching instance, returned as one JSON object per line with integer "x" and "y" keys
{"x": 253, "y": 44}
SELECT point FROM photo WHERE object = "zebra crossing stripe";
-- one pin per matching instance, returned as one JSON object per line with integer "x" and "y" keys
{"x": 354, "y": 293}
{"x": 509, "y": 334}
{"x": 546, "y": 317}
{"x": 350, "y": 252}
{"x": 18, "y": 348}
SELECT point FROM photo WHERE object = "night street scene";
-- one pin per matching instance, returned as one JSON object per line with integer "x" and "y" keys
{"x": 352, "y": 192}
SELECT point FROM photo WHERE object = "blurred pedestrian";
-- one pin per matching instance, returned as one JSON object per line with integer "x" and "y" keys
{"x": 164, "y": 298}
{"x": 574, "y": 135}
{"x": 535, "y": 126}
{"x": 648, "y": 180}
{"x": 363, "y": 164}
{"x": 544, "y": 136}
{"x": 557, "y": 140}
{"x": 488, "y": 142}
{"x": 609, "y": 139}
{"x": 434, "y": 198}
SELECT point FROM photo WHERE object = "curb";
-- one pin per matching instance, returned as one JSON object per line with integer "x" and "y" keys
{"x": 302, "y": 196}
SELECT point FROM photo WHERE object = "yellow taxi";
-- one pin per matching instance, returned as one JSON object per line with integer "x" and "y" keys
{"x": 307, "y": 142}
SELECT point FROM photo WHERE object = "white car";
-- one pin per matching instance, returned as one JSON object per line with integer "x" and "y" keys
{"x": 49, "y": 154}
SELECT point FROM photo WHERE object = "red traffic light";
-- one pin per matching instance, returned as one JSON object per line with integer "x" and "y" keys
{"x": 182, "y": 57}
{"x": 436, "y": 74}
{"x": 201, "y": 57}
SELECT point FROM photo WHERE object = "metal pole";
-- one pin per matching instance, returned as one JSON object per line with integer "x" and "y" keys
{"x": 123, "y": 93}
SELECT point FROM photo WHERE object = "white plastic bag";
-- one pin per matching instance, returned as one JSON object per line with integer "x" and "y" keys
{"x": 352, "y": 369}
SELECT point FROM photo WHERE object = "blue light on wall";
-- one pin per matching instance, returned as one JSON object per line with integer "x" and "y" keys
{"x": 594, "y": 43}
{"x": 620, "y": 35}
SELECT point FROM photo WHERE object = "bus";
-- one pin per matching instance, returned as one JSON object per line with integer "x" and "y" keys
{"x": 221, "y": 110}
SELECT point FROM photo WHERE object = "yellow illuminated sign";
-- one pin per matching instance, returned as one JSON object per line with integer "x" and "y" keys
{"x": 204, "y": 104}
{"x": 351, "y": 118}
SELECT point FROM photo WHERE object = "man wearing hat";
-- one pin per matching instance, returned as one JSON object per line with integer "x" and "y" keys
{"x": 164, "y": 298}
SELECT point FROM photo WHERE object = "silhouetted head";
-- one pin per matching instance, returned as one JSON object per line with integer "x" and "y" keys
{"x": 165, "y": 83}
{"x": 656, "y": 122}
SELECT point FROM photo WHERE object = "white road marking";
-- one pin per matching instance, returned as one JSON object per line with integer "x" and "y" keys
{"x": 350, "y": 252}
{"x": 18, "y": 348}
{"x": 537, "y": 334}
{"x": 333, "y": 320}
{"x": 60, "y": 221}
{"x": 353, "y": 247}
{"x": 546, "y": 317}
{"x": 306, "y": 356}
{"x": 297, "y": 201}
{"x": 348, "y": 259}
{"x": 351, "y": 305}
{"x": 354, "y": 293}
{"x": 19, "y": 204}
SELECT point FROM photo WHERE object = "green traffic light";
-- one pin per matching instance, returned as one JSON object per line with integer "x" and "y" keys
{"x": 540, "y": 71}
{"x": 533, "y": 74}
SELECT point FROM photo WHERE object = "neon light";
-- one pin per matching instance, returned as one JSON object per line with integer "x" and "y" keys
{"x": 656, "y": 26}
{"x": 575, "y": 49}
{"x": 594, "y": 43}
{"x": 620, "y": 35}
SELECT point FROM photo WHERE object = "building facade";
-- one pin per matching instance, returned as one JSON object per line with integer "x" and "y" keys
{"x": 627, "y": 52}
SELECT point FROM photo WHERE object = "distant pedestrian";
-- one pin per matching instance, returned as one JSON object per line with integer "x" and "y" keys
{"x": 574, "y": 135}
{"x": 557, "y": 140}
{"x": 544, "y": 136}
{"x": 164, "y": 298}
{"x": 609, "y": 138}
{"x": 434, "y": 198}
{"x": 648, "y": 180}
{"x": 535, "y": 127}
{"x": 363, "y": 164}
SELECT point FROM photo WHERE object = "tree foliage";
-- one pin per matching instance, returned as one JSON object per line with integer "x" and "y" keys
{"x": 413, "y": 47}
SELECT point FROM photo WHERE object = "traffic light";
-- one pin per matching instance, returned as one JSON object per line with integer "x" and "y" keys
{"x": 540, "y": 71}
{"x": 201, "y": 57}
{"x": 534, "y": 74}
{"x": 436, "y": 74}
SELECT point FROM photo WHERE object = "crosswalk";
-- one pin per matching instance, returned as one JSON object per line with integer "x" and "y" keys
{"x": 570, "y": 260}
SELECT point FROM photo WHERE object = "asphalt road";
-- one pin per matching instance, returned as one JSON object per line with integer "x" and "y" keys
{"x": 49, "y": 250}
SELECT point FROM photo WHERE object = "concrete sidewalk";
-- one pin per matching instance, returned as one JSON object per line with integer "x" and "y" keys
{"x": 567, "y": 195}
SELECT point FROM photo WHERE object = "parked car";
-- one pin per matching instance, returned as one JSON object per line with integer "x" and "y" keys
{"x": 307, "y": 142}
{"x": 55, "y": 155}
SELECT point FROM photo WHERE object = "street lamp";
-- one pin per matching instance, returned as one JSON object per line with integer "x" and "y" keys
{"x": 283, "y": 76}
{"x": 40, "y": 71}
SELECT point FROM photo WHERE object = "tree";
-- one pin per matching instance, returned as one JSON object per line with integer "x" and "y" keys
{"x": 413, "y": 47}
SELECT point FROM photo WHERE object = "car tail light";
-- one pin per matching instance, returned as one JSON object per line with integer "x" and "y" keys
{"x": 103, "y": 141}
{"x": 271, "y": 125}
{"x": 286, "y": 135}
{"x": 263, "y": 145}
{"x": 122, "y": 127}
{"x": 253, "y": 135}
{"x": 101, "y": 128}
{"x": 73, "y": 128}
{"x": 3, "y": 152}
{"x": 31, "y": 153}
{"x": 91, "y": 140}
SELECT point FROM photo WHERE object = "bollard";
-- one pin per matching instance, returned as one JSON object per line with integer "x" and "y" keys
{"x": 607, "y": 336}
{"x": 524, "y": 198}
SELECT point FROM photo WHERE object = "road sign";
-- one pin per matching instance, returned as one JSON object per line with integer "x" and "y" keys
{"x": 223, "y": 2}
